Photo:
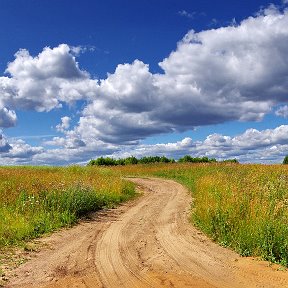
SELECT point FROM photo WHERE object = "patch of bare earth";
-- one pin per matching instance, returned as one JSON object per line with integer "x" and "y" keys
{"x": 147, "y": 242}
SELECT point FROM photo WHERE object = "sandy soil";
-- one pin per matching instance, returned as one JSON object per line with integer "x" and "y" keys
{"x": 147, "y": 242}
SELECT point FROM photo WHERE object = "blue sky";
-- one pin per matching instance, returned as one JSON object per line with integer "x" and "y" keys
{"x": 83, "y": 79}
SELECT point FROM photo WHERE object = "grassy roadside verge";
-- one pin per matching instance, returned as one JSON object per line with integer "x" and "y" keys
{"x": 244, "y": 207}
{"x": 37, "y": 200}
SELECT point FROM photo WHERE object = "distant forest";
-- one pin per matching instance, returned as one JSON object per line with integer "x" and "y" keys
{"x": 108, "y": 161}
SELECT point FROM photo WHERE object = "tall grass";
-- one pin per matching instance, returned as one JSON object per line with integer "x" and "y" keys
{"x": 244, "y": 207}
{"x": 36, "y": 200}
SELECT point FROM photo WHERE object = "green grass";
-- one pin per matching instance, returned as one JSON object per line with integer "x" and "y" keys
{"x": 244, "y": 207}
{"x": 35, "y": 201}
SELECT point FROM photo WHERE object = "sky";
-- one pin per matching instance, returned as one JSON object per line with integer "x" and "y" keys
{"x": 80, "y": 79}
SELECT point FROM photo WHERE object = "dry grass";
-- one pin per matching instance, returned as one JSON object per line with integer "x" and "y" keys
{"x": 36, "y": 200}
{"x": 244, "y": 207}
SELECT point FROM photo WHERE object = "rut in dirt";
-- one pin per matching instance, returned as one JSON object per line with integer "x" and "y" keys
{"x": 148, "y": 242}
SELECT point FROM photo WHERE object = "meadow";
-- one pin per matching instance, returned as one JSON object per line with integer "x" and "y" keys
{"x": 37, "y": 200}
{"x": 244, "y": 207}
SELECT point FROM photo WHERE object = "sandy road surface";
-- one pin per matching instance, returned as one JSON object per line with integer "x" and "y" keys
{"x": 147, "y": 242}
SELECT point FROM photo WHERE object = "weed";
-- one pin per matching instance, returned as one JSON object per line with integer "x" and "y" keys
{"x": 244, "y": 207}
{"x": 36, "y": 200}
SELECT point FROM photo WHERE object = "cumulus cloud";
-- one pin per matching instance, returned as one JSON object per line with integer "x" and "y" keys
{"x": 282, "y": 111}
{"x": 8, "y": 117}
{"x": 50, "y": 63}
{"x": 238, "y": 72}
{"x": 16, "y": 151}
{"x": 69, "y": 142}
{"x": 68, "y": 151}
{"x": 4, "y": 145}
{"x": 22, "y": 150}
{"x": 43, "y": 82}
{"x": 231, "y": 73}
{"x": 251, "y": 142}
{"x": 71, "y": 149}
{"x": 269, "y": 145}
{"x": 64, "y": 125}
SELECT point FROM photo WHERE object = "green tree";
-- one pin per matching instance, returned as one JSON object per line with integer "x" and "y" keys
{"x": 131, "y": 160}
{"x": 285, "y": 161}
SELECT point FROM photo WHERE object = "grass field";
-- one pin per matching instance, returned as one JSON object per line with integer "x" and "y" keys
{"x": 244, "y": 207}
{"x": 36, "y": 200}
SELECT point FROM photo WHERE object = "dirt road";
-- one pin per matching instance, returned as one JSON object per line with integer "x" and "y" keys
{"x": 147, "y": 242}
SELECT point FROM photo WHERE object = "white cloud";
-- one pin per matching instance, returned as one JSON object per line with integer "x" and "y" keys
{"x": 68, "y": 142}
{"x": 43, "y": 82}
{"x": 17, "y": 152}
{"x": 186, "y": 14}
{"x": 4, "y": 145}
{"x": 230, "y": 73}
{"x": 64, "y": 125}
{"x": 58, "y": 62}
{"x": 72, "y": 150}
{"x": 22, "y": 150}
{"x": 8, "y": 117}
{"x": 214, "y": 76}
{"x": 282, "y": 111}
{"x": 265, "y": 146}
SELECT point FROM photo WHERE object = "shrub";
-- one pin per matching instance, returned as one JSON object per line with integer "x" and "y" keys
{"x": 131, "y": 160}
{"x": 188, "y": 158}
{"x": 35, "y": 200}
{"x": 103, "y": 162}
{"x": 231, "y": 161}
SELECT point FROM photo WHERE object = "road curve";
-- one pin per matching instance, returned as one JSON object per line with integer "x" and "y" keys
{"x": 147, "y": 242}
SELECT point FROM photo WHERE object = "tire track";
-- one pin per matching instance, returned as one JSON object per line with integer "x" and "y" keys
{"x": 147, "y": 242}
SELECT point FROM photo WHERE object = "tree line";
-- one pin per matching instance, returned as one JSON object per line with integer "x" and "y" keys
{"x": 108, "y": 161}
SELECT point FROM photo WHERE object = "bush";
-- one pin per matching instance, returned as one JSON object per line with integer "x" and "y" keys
{"x": 188, "y": 158}
{"x": 35, "y": 200}
{"x": 103, "y": 162}
{"x": 231, "y": 161}
{"x": 129, "y": 161}
{"x": 155, "y": 159}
